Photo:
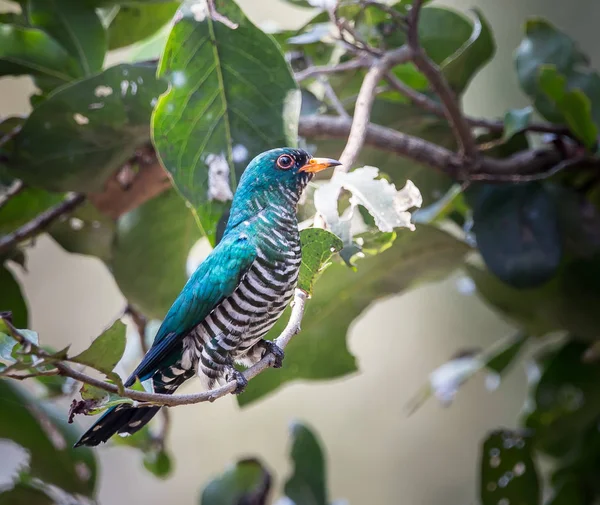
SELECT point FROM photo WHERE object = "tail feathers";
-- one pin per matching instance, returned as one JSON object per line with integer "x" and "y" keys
{"x": 120, "y": 419}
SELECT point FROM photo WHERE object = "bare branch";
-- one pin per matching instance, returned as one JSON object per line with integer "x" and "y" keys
{"x": 331, "y": 69}
{"x": 439, "y": 84}
{"x": 291, "y": 329}
{"x": 41, "y": 222}
{"x": 14, "y": 189}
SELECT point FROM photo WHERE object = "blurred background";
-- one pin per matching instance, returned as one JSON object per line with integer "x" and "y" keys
{"x": 376, "y": 454}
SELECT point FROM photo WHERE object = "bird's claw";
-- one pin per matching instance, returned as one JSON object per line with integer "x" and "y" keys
{"x": 276, "y": 351}
{"x": 241, "y": 382}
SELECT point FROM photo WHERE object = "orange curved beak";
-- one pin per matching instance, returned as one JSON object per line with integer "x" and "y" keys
{"x": 315, "y": 165}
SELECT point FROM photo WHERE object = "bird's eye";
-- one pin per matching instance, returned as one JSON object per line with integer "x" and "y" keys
{"x": 285, "y": 162}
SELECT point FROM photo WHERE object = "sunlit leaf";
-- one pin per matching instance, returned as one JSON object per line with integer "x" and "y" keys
{"x": 317, "y": 248}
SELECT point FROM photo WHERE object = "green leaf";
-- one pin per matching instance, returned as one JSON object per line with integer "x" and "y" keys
{"x": 411, "y": 120}
{"x": 156, "y": 239}
{"x": 318, "y": 246}
{"x": 230, "y": 88}
{"x": 135, "y": 22}
{"x": 105, "y": 351}
{"x": 320, "y": 351}
{"x": 248, "y": 481}
{"x": 86, "y": 231}
{"x": 82, "y": 133}
{"x": 473, "y": 55}
{"x": 158, "y": 463}
{"x": 75, "y": 26}
{"x": 31, "y": 51}
{"x": 308, "y": 483}
{"x": 24, "y": 494}
{"x": 517, "y": 232}
{"x": 508, "y": 472}
{"x": 564, "y": 402}
{"x": 516, "y": 120}
{"x": 11, "y": 298}
{"x": 574, "y": 105}
{"x": 22, "y": 208}
{"x": 48, "y": 439}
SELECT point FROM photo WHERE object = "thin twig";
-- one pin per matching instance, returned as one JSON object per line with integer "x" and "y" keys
{"x": 291, "y": 329}
{"x": 331, "y": 69}
{"x": 333, "y": 98}
{"x": 14, "y": 189}
{"x": 439, "y": 84}
{"x": 140, "y": 322}
{"x": 41, "y": 222}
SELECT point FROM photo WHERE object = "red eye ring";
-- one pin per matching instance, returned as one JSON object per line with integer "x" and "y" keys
{"x": 285, "y": 162}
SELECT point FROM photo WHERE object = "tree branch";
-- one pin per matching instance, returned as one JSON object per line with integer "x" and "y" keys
{"x": 291, "y": 329}
{"x": 316, "y": 71}
{"x": 14, "y": 189}
{"x": 41, "y": 222}
{"x": 140, "y": 322}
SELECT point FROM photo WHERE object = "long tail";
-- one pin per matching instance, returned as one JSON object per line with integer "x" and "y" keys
{"x": 120, "y": 419}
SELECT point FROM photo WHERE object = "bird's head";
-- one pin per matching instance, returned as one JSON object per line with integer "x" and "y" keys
{"x": 284, "y": 170}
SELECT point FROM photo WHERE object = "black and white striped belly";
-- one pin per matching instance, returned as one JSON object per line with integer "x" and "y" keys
{"x": 243, "y": 318}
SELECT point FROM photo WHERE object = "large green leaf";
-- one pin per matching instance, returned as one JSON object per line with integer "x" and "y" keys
{"x": 508, "y": 472}
{"x": 138, "y": 21}
{"x": 48, "y": 439}
{"x": 23, "y": 207}
{"x": 83, "y": 132}
{"x": 341, "y": 295}
{"x": 31, "y": 51}
{"x": 232, "y": 96}
{"x": 247, "y": 482}
{"x": 11, "y": 298}
{"x": 308, "y": 483}
{"x": 75, "y": 26}
{"x": 154, "y": 239}
{"x": 545, "y": 45}
{"x": 317, "y": 248}
{"x": 517, "y": 232}
{"x": 411, "y": 120}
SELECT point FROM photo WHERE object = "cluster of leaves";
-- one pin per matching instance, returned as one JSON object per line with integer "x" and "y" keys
{"x": 208, "y": 111}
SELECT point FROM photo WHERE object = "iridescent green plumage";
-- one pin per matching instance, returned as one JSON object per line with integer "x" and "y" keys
{"x": 235, "y": 296}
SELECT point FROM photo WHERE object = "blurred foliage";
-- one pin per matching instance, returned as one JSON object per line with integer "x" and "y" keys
{"x": 219, "y": 96}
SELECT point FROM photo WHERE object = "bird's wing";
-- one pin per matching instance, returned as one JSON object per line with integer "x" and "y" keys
{"x": 215, "y": 279}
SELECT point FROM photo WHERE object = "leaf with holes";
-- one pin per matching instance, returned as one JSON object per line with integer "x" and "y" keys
{"x": 308, "y": 482}
{"x": 232, "y": 96}
{"x": 508, "y": 472}
{"x": 248, "y": 481}
{"x": 29, "y": 51}
{"x": 320, "y": 351}
{"x": 81, "y": 134}
{"x": 105, "y": 352}
{"x": 46, "y": 436}
{"x": 76, "y": 26}
{"x": 317, "y": 248}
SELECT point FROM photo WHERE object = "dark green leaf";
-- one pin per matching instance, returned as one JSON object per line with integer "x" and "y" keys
{"x": 81, "y": 134}
{"x": 31, "y": 51}
{"x": 318, "y": 246}
{"x": 308, "y": 483}
{"x": 156, "y": 239}
{"x": 320, "y": 351}
{"x": 517, "y": 232}
{"x": 48, "y": 439}
{"x": 232, "y": 89}
{"x": 574, "y": 105}
{"x": 508, "y": 472}
{"x": 478, "y": 50}
{"x": 105, "y": 352}
{"x": 138, "y": 21}
{"x": 248, "y": 482}
{"x": 24, "y": 494}
{"x": 11, "y": 298}
{"x": 516, "y": 120}
{"x": 75, "y": 26}
{"x": 86, "y": 231}
{"x": 565, "y": 401}
{"x": 158, "y": 463}
{"x": 411, "y": 120}
{"x": 23, "y": 207}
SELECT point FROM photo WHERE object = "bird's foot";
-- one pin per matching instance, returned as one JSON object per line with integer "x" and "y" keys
{"x": 240, "y": 380}
{"x": 275, "y": 350}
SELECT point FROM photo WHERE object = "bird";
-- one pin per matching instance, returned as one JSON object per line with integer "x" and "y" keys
{"x": 233, "y": 298}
